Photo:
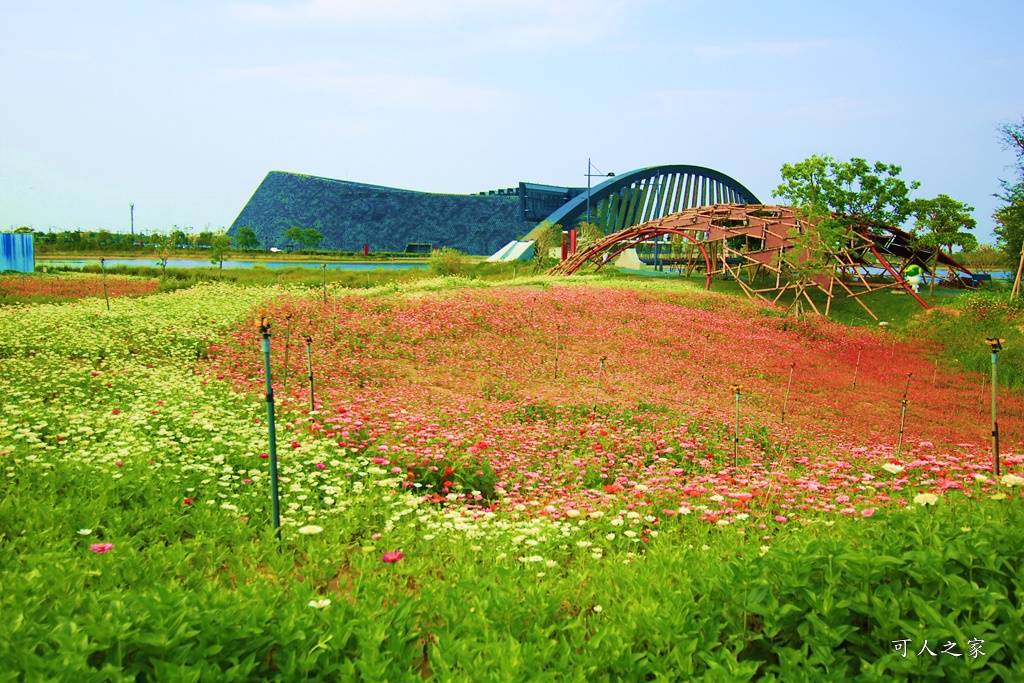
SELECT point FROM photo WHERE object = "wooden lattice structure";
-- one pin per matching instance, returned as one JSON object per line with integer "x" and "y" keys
{"x": 738, "y": 240}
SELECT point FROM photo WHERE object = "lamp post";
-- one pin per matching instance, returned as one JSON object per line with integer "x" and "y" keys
{"x": 591, "y": 167}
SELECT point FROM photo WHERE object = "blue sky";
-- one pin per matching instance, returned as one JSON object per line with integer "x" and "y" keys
{"x": 183, "y": 107}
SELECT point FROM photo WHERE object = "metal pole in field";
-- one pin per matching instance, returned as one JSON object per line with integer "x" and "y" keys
{"x": 103, "y": 269}
{"x": 856, "y": 370}
{"x": 324, "y": 266}
{"x": 736, "y": 435}
{"x": 996, "y": 345}
{"x": 275, "y": 501}
{"x": 309, "y": 363}
{"x": 903, "y": 414}
{"x": 287, "y": 348}
{"x": 557, "y": 328}
{"x": 785, "y": 401}
{"x": 597, "y": 390}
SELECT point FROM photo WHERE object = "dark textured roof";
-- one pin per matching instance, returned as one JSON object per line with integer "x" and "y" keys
{"x": 353, "y": 214}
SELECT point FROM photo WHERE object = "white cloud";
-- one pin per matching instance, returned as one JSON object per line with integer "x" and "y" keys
{"x": 417, "y": 11}
{"x": 390, "y": 90}
{"x": 522, "y": 24}
{"x": 780, "y": 48}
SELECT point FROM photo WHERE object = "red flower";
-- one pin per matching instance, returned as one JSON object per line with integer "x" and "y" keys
{"x": 448, "y": 471}
{"x": 612, "y": 488}
{"x": 189, "y": 501}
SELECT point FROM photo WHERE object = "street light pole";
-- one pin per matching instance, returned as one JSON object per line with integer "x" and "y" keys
{"x": 591, "y": 167}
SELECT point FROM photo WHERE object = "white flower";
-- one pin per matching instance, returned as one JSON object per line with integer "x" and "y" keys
{"x": 741, "y": 516}
{"x": 980, "y": 478}
{"x": 598, "y": 608}
{"x": 764, "y": 550}
{"x": 630, "y": 534}
{"x": 717, "y": 498}
{"x": 610, "y": 537}
{"x": 310, "y": 529}
{"x": 536, "y": 558}
{"x": 683, "y": 510}
{"x": 891, "y": 468}
{"x": 926, "y": 499}
{"x": 319, "y": 604}
{"x": 617, "y": 521}
{"x": 597, "y": 513}
{"x": 550, "y": 563}
{"x": 1011, "y": 480}
{"x": 85, "y": 532}
{"x": 572, "y": 513}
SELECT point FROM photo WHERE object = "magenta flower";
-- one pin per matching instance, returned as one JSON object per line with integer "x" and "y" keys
{"x": 321, "y": 466}
{"x": 780, "y": 519}
{"x": 101, "y": 547}
{"x": 392, "y": 557}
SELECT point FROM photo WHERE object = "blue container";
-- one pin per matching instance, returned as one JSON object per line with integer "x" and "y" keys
{"x": 17, "y": 252}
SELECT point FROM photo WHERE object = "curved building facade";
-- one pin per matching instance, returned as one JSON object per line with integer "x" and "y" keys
{"x": 351, "y": 215}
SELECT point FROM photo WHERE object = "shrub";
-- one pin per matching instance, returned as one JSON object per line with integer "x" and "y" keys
{"x": 447, "y": 261}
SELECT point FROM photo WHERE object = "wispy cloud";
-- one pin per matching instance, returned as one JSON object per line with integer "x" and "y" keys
{"x": 391, "y": 90}
{"x": 494, "y": 23}
{"x": 779, "y": 48}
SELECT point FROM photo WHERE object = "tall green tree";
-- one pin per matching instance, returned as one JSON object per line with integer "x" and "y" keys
{"x": 547, "y": 236}
{"x": 220, "y": 247}
{"x": 310, "y": 238}
{"x": 246, "y": 238}
{"x": 942, "y": 223}
{"x": 1009, "y": 217}
{"x": 831, "y": 198}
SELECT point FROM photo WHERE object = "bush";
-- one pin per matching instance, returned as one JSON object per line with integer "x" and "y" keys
{"x": 447, "y": 261}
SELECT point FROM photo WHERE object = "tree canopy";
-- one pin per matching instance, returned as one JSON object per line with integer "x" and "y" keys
{"x": 246, "y": 238}
{"x": 943, "y": 223}
{"x": 1009, "y": 217}
{"x": 831, "y": 197}
{"x": 310, "y": 238}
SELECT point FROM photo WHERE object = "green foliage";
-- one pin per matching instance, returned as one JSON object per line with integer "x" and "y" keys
{"x": 220, "y": 248}
{"x": 587, "y": 234}
{"x": 310, "y": 238}
{"x": 942, "y": 223}
{"x": 1009, "y": 220}
{"x": 245, "y": 238}
{"x": 830, "y": 198}
{"x": 447, "y": 262}
{"x": 547, "y": 236}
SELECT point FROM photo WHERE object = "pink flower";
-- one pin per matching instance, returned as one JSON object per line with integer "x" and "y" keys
{"x": 392, "y": 557}
{"x": 264, "y": 455}
{"x": 379, "y": 461}
{"x": 780, "y": 519}
{"x": 119, "y": 463}
{"x": 867, "y": 512}
{"x": 321, "y": 466}
{"x": 101, "y": 547}
{"x": 116, "y": 411}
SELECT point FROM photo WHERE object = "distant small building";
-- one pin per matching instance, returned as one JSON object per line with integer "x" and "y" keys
{"x": 17, "y": 252}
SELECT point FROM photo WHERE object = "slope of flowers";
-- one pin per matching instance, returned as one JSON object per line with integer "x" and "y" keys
{"x": 453, "y": 397}
{"x": 74, "y": 285}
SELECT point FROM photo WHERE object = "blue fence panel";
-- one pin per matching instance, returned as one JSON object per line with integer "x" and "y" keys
{"x": 17, "y": 252}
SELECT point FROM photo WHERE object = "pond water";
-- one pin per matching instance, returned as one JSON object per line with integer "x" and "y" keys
{"x": 195, "y": 263}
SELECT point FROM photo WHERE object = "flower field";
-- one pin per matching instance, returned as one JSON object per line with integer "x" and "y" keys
{"x": 495, "y": 482}
{"x": 70, "y": 285}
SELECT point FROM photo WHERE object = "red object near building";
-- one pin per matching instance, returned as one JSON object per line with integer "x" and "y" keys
{"x": 572, "y": 241}
{"x": 565, "y": 248}
{"x": 366, "y": 250}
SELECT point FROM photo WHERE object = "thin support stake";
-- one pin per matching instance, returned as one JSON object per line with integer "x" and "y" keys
{"x": 789, "y": 385}
{"x": 324, "y": 266}
{"x": 856, "y": 370}
{"x": 557, "y": 330}
{"x": 903, "y": 414}
{"x": 287, "y": 348}
{"x": 597, "y": 389}
{"x": 104, "y": 270}
{"x": 275, "y": 500}
{"x": 736, "y": 434}
{"x": 996, "y": 345}
{"x": 309, "y": 364}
